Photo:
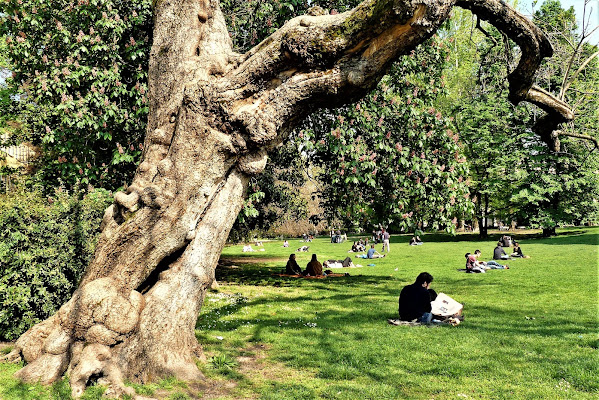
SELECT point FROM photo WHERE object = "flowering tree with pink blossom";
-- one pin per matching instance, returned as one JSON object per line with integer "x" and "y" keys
{"x": 393, "y": 159}
{"x": 80, "y": 75}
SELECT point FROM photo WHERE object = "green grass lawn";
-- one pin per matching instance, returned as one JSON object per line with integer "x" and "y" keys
{"x": 529, "y": 332}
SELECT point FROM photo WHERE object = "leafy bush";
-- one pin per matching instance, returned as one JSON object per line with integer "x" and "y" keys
{"x": 45, "y": 244}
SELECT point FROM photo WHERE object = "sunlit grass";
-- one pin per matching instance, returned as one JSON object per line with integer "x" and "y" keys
{"x": 530, "y": 332}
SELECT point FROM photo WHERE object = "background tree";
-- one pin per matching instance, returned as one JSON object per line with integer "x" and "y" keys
{"x": 214, "y": 115}
{"x": 392, "y": 159}
{"x": 80, "y": 75}
{"x": 562, "y": 188}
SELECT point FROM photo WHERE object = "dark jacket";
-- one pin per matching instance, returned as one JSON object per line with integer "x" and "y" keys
{"x": 498, "y": 252}
{"x": 414, "y": 301}
{"x": 293, "y": 268}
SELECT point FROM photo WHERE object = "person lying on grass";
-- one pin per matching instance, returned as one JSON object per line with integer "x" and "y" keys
{"x": 314, "y": 267}
{"x": 482, "y": 266}
{"x": 415, "y": 300}
{"x": 292, "y": 267}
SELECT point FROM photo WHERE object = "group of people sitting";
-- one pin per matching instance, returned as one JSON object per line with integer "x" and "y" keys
{"x": 337, "y": 236}
{"x": 314, "y": 267}
{"x": 359, "y": 246}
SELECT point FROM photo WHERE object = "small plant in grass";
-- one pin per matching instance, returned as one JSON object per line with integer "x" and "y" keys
{"x": 6, "y": 350}
{"x": 178, "y": 396}
{"x": 222, "y": 363}
{"x": 144, "y": 390}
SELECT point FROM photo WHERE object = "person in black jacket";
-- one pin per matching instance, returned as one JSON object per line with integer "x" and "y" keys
{"x": 415, "y": 300}
{"x": 293, "y": 267}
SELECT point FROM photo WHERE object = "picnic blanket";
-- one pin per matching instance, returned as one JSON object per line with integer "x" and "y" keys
{"x": 453, "y": 321}
{"x": 312, "y": 277}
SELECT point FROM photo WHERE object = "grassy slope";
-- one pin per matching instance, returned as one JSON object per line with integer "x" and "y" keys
{"x": 530, "y": 332}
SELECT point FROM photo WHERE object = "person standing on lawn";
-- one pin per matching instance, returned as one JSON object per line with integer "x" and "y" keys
{"x": 415, "y": 300}
{"x": 385, "y": 235}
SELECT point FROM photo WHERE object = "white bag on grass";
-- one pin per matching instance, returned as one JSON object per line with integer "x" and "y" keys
{"x": 445, "y": 306}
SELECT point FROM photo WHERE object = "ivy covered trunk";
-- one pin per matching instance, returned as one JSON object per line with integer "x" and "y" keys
{"x": 214, "y": 115}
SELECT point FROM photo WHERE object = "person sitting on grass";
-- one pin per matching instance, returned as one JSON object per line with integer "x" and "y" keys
{"x": 285, "y": 244}
{"x": 416, "y": 241}
{"x": 314, "y": 267}
{"x": 415, "y": 300}
{"x": 518, "y": 251}
{"x": 248, "y": 248}
{"x": 372, "y": 253}
{"x": 499, "y": 253}
{"x": 292, "y": 267}
{"x": 488, "y": 264}
{"x": 355, "y": 248}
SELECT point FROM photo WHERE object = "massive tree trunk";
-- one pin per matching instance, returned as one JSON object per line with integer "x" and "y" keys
{"x": 214, "y": 115}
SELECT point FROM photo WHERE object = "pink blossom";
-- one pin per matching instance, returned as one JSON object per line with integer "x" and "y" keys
{"x": 409, "y": 101}
{"x": 66, "y": 72}
{"x": 451, "y": 169}
{"x": 134, "y": 14}
{"x": 342, "y": 172}
{"x": 63, "y": 98}
{"x": 409, "y": 173}
{"x": 131, "y": 147}
{"x": 354, "y": 170}
{"x": 75, "y": 160}
{"x": 44, "y": 86}
{"x": 322, "y": 141}
{"x": 374, "y": 172}
{"x": 48, "y": 130}
{"x": 388, "y": 135}
{"x": 334, "y": 11}
{"x": 80, "y": 171}
{"x": 132, "y": 41}
{"x": 104, "y": 15}
{"x": 422, "y": 156}
{"x": 442, "y": 167}
{"x": 91, "y": 31}
{"x": 20, "y": 39}
{"x": 425, "y": 179}
{"x": 59, "y": 25}
{"x": 301, "y": 135}
{"x": 398, "y": 146}
{"x": 380, "y": 122}
{"x": 438, "y": 115}
{"x": 418, "y": 180}
{"x": 16, "y": 18}
{"x": 372, "y": 156}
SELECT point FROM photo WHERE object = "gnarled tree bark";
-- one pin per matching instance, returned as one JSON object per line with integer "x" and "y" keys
{"x": 214, "y": 115}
